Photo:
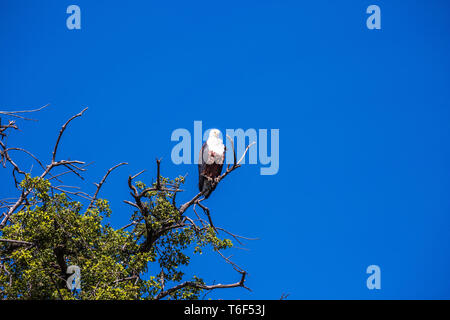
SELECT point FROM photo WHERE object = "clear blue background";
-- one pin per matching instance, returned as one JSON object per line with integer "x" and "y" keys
{"x": 363, "y": 118}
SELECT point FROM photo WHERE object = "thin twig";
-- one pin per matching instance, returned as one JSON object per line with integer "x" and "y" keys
{"x": 158, "y": 175}
{"x": 63, "y": 128}
{"x": 100, "y": 184}
{"x": 15, "y": 113}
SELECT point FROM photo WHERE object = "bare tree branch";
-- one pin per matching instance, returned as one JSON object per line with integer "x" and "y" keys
{"x": 158, "y": 174}
{"x": 206, "y": 211}
{"x": 193, "y": 284}
{"x": 237, "y": 237}
{"x": 63, "y": 128}
{"x": 100, "y": 184}
{"x": 234, "y": 151}
{"x": 15, "y": 113}
{"x": 48, "y": 168}
{"x": 56, "y": 176}
{"x": 185, "y": 206}
{"x": 29, "y": 153}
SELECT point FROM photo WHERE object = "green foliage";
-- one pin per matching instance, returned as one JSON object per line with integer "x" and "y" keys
{"x": 56, "y": 232}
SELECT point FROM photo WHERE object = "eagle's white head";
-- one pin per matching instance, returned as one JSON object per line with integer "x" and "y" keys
{"x": 214, "y": 134}
{"x": 215, "y": 142}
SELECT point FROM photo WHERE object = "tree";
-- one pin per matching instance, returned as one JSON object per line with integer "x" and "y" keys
{"x": 50, "y": 227}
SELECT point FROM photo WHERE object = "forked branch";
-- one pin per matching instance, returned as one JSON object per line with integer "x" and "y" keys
{"x": 100, "y": 184}
{"x": 72, "y": 165}
{"x": 192, "y": 284}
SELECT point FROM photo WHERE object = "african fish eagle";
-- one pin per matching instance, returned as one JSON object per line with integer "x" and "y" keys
{"x": 210, "y": 163}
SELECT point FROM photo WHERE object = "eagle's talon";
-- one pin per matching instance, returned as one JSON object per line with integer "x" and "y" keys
{"x": 206, "y": 177}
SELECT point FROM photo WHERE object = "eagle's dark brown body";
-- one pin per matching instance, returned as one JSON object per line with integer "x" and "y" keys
{"x": 209, "y": 166}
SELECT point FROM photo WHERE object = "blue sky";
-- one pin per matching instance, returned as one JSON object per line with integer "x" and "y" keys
{"x": 363, "y": 118}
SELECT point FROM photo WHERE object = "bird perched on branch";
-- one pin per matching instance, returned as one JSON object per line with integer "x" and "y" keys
{"x": 210, "y": 163}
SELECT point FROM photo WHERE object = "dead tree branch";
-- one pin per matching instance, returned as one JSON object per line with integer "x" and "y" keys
{"x": 72, "y": 165}
{"x": 16, "y": 113}
{"x": 63, "y": 128}
{"x": 158, "y": 174}
{"x": 206, "y": 211}
{"x": 193, "y": 284}
{"x": 100, "y": 184}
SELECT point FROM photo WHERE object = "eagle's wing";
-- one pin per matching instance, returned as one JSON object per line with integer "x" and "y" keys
{"x": 202, "y": 166}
